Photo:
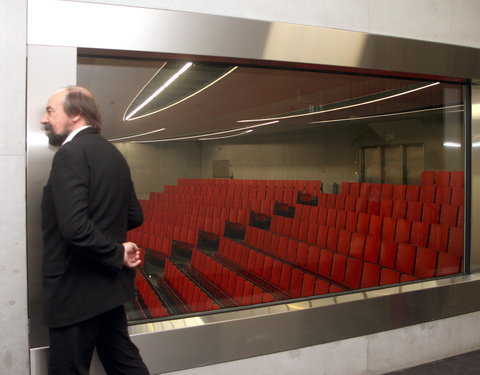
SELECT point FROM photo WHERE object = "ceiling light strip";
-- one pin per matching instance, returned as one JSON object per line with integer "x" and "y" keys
{"x": 187, "y": 97}
{"x": 136, "y": 135}
{"x": 389, "y": 114}
{"x": 344, "y": 107}
{"x": 208, "y": 134}
{"x": 226, "y": 136}
{"x": 160, "y": 89}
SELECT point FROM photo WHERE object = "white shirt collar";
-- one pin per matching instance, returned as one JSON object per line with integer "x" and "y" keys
{"x": 74, "y": 133}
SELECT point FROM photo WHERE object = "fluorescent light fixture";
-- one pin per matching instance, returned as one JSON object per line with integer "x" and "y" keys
{"x": 476, "y": 144}
{"x": 209, "y": 134}
{"x": 136, "y": 135}
{"x": 452, "y": 144}
{"x": 159, "y": 90}
{"x": 225, "y": 136}
{"x": 390, "y": 114}
{"x": 344, "y": 107}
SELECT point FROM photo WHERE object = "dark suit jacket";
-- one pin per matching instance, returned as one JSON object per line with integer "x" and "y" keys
{"x": 88, "y": 205}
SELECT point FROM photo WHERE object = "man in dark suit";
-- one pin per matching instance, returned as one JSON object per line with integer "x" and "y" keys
{"x": 88, "y": 205}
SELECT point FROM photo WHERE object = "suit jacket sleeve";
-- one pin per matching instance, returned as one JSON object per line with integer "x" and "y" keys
{"x": 69, "y": 182}
{"x": 135, "y": 215}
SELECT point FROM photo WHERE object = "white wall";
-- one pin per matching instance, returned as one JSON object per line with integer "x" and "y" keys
{"x": 13, "y": 277}
{"x": 445, "y": 21}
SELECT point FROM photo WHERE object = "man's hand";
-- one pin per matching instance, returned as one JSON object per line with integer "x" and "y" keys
{"x": 131, "y": 255}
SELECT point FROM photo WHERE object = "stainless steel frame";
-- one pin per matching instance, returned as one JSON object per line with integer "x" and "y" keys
{"x": 232, "y": 335}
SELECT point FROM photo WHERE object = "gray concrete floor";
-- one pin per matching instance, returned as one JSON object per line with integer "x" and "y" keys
{"x": 464, "y": 364}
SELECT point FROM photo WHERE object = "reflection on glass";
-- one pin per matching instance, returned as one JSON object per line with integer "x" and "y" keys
{"x": 324, "y": 182}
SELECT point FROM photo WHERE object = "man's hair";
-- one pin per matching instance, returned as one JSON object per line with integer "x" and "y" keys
{"x": 79, "y": 101}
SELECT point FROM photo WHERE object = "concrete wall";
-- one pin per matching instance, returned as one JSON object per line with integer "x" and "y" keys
{"x": 13, "y": 277}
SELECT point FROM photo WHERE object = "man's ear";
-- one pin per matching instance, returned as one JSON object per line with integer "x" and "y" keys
{"x": 76, "y": 118}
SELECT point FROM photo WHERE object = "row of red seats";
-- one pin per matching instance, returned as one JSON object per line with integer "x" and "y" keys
{"x": 421, "y": 193}
{"x": 277, "y": 272}
{"x": 299, "y": 185}
{"x": 443, "y": 178}
{"x": 243, "y": 291}
{"x": 190, "y": 293}
{"x": 431, "y": 213}
{"x": 439, "y": 237}
{"x": 149, "y": 297}
{"x": 408, "y": 260}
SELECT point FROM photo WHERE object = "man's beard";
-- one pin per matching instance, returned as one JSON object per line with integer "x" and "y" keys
{"x": 53, "y": 138}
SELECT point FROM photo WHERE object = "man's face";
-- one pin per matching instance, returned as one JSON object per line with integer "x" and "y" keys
{"x": 57, "y": 124}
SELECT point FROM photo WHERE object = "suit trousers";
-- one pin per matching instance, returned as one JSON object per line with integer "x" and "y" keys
{"x": 71, "y": 348}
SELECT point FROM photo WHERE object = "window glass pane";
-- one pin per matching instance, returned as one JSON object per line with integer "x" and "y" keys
{"x": 261, "y": 185}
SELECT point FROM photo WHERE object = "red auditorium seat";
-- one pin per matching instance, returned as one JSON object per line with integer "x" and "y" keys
{"x": 363, "y": 222}
{"x": 438, "y": 237}
{"x": 443, "y": 178}
{"x": 388, "y": 253}
{"x": 331, "y": 200}
{"x": 332, "y": 238}
{"x": 267, "y": 268}
{"x": 427, "y": 194}
{"x": 414, "y": 210}
{"x": 375, "y": 192}
{"x": 362, "y": 204}
{"x": 457, "y": 178}
{"x": 350, "y": 202}
{"x": 431, "y": 213}
{"x": 405, "y": 258}
{"x": 373, "y": 207}
{"x": 313, "y": 258}
{"x": 247, "y": 293}
{"x": 331, "y": 217}
{"x": 428, "y": 178}
{"x": 386, "y": 207}
{"x": 276, "y": 271}
{"x": 375, "y": 226}
{"x": 365, "y": 189}
{"x": 303, "y": 231}
{"x": 344, "y": 239}
{"x": 357, "y": 245}
{"x": 351, "y": 221}
{"x": 420, "y": 232}
{"x": 354, "y": 189}
{"x": 341, "y": 219}
{"x": 302, "y": 254}
{"x": 353, "y": 273}
{"x": 388, "y": 276}
{"x": 448, "y": 215}
{"x": 412, "y": 193}
{"x": 402, "y": 232}
{"x": 292, "y": 249}
{"x": 372, "y": 249}
{"x": 448, "y": 264}
{"x": 338, "y": 267}
{"x": 345, "y": 188}
{"x": 295, "y": 289}
{"x": 325, "y": 260}
{"x": 322, "y": 215}
{"x": 399, "y": 192}
{"x": 282, "y": 247}
{"x": 308, "y": 285}
{"x": 285, "y": 277}
{"x": 340, "y": 202}
{"x": 322, "y": 235}
{"x": 321, "y": 287}
{"x": 388, "y": 228}
{"x": 455, "y": 241}
{"x": 399, "y": 209}
{"x": 370, "y": 275}
{"x": 387, "y": 191}
{"x": 425, "y": 263}
{"x": 443, "y": 195}
{"x": 312, "y": 233}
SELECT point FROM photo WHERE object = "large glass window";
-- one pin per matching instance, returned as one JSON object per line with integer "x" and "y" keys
{"x": 264, "y": 184}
